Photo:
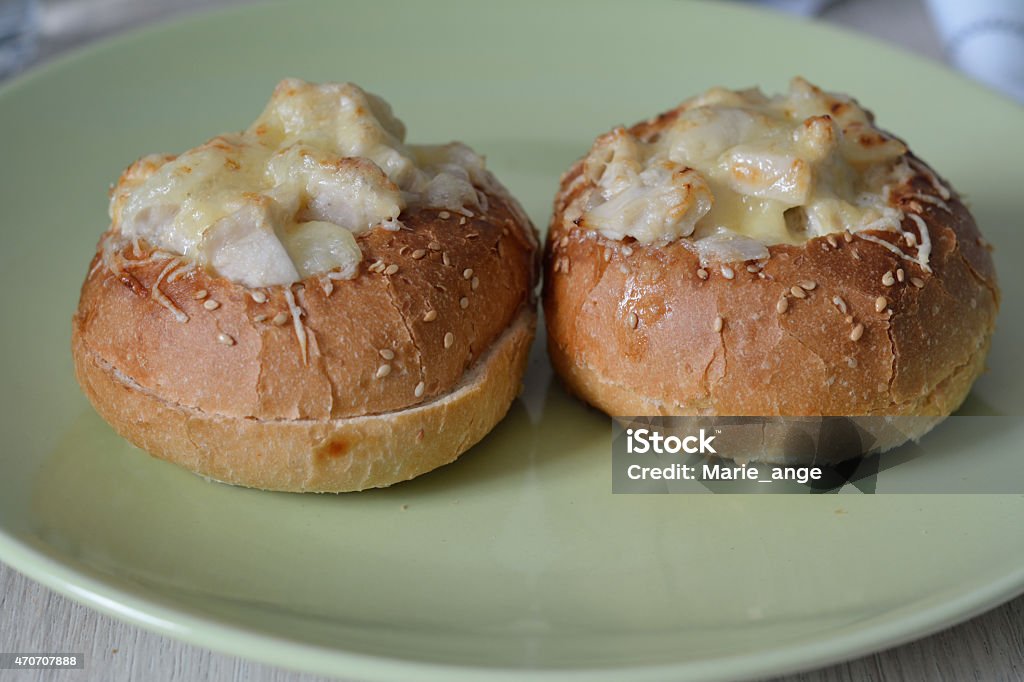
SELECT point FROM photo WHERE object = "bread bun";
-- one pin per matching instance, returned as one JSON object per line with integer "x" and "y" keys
{"x": 339, "y": 381}
{"x": 861, "y": 321}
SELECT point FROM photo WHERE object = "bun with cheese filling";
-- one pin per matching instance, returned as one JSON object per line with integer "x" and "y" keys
{"x": 745, "y": 255}
{"x": 311, "y": 304}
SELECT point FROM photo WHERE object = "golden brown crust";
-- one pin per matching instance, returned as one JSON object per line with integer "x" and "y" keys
{"x": 637, "y": 329}
{"x": 315, "y": 455}
{"x": 264, "y": 372}
{"x": 428, "y": 303}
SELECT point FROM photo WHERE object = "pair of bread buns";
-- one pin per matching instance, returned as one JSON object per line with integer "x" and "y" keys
{"x": 348, "y": 311}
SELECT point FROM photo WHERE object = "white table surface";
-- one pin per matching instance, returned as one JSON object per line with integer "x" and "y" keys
{"x": 32, "y": 618}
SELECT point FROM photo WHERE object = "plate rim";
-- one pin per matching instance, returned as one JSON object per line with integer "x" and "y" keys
{"x": 139, "y": 607}
{"x": 136, "y": 607}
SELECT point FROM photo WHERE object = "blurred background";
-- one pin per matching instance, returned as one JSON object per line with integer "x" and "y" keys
{"x": 982, "y": 38}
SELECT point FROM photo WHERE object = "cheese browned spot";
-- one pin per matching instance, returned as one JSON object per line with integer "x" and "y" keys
{"x": 284, "y": 199}
{"x": 737, "y": 171}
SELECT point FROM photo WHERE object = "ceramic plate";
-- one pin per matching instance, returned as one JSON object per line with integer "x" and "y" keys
{"x": 517, "y": 559}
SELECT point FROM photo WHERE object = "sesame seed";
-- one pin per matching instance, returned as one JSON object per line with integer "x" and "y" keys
{"x": 449, "y": 339}
{"x": 467, "y": 273}
{"x": 391, "y": 269}
{"x": 900, "y": 275}
{"x": 420, "y": 387}
{"x": 444, "y": 258}
{"x": 430, "y": 316}
{"x": 847, "y": 237}
{"x": 719, "y": 323}
{"x": 564, "y": 241}
{"x": 857, "y": 332}
{"x": 280, "y": 319}
{"x": 387, "y": 353}
{"x": 888, "y": 280}
{"x": 258, "y": 296}
{"x": 462, "y": 221}
{"x": 419, "y": 253}
{"x": 839, "y": 303}
{"x": 474, "y": 283}
{"x": 917, "y": 282}
{"x": 851, "y": 363}
{"x": 798, "y": 292}
{"x": 211, "y": 304}
{"x": 727, "y": 272}
{"x": 463, "y": 302}
{"x": 702, "y": 273}
{"x": 627, "y": 251}
{"x": 752, "y": 268}
{"x": 911, "y": 239}
{"x": 808, "y": 285}
{"x": 404, "y": 250}
{"x": 200, "y": 295}
{"x": 607, "y": 255}
{"x": 472, "y": 235}
{"x": 383, "y": 371}
{"x": 444, "y": 215}
{"x": 225, "y": 339}
{"x": 832, "y": 241}
{"x": 259, "y": 318}
{"x": 849, "y": 319}
{"x": 434, "y": 246}
{"x": 782, "y": 306}
{"x": 855, "y": 254}
{"x": 632, "y": 320}
{"x": 880, "y": 304}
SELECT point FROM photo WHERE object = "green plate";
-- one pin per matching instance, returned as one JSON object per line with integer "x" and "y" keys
{"x": 516, "y": 559}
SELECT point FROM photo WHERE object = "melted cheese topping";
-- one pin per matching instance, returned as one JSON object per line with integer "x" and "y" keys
{"x": 738, "y": 171}
{"x": 285, "y": 199}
